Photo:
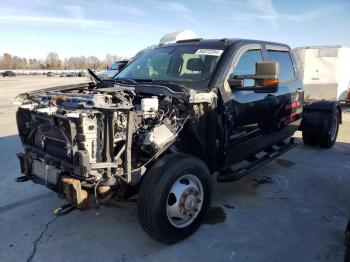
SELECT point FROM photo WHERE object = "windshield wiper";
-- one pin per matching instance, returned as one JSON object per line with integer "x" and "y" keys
{"x": 169, "y": 84}
{"x": 94, "y": 75}
{"x": 125, "y": 81}
{"x": 156, "y": 82}
{"x": 160, "y": 81}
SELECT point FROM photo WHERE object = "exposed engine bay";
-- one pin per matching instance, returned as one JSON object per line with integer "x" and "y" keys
{"x": 89, "y": 142}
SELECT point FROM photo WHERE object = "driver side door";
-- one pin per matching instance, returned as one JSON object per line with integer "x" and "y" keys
{"x": 246, "y": 110}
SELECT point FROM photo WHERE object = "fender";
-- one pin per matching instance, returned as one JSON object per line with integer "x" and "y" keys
{"x": 315, "y": 116}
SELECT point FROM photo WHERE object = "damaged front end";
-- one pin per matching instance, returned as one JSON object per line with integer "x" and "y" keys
{"x": 90, "y": 144}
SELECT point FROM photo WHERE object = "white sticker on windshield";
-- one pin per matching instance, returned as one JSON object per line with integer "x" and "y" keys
{"x": 214, "y": 52}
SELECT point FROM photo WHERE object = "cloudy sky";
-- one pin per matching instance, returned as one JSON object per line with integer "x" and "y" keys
{"x": 34, "y": 28}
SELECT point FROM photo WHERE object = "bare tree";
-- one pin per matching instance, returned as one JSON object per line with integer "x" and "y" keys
{"x": 53, "y": 61}
{"x": 18, "y": 63}
{"x": 7, "y": 61}
{"x": 94, "y": 62}
{"x": 109, "y": 59}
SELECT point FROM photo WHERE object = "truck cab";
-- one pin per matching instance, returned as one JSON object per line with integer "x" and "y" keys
{"x": 161, "y": 127}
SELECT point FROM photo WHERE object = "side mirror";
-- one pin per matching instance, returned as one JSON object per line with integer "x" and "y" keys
{"x": 266, "y": 70}
{"x": 266, "y": 78}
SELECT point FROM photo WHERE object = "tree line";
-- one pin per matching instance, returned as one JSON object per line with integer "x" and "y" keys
{"x": 54, "y": 62}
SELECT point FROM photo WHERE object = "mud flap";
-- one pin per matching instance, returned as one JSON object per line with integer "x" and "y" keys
{"x": 24, "y": 164}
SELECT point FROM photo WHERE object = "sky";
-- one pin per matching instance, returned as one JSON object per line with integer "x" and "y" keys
{"x": 73, "y": 28}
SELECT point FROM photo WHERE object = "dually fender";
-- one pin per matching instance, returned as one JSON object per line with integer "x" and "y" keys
{"x": 315, "y": 113}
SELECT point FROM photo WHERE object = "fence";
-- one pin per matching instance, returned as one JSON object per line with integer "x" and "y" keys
{"x": 43, "y": 72}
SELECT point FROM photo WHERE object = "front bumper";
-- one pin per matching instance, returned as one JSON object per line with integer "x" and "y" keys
{"x": 39, "y": 172}
{"x": 55, "y": 179}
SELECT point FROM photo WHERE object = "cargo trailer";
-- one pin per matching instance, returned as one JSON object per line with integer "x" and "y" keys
{"x": 325, "y": 71}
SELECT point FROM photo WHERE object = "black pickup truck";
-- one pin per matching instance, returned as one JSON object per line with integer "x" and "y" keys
{"x": 174, "y": 116}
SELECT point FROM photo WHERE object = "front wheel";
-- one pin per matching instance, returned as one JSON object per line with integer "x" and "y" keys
{"x": 174, "y": 197}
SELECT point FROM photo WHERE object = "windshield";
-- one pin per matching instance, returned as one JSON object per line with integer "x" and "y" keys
{"x": 192, "y": 66}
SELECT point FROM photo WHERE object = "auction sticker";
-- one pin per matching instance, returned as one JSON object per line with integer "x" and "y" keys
{"x": 214, "y": 52}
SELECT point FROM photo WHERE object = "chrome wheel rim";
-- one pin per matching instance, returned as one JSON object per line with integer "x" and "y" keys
{"x": 185, "y": 200}
{"x": 334, "y": 127}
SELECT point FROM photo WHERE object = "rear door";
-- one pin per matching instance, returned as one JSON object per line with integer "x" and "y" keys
{"x": 285, "y": 114}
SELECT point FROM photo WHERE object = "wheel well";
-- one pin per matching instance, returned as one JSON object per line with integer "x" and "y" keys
{"x": 340, "y": 114}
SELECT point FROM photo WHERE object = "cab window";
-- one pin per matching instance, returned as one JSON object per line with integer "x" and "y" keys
{"x": 285, "y": 63}
{"x": 246, "y": 65}
{"x": 189, "y": 65}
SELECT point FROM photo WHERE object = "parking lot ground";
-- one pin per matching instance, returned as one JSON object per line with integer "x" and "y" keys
{"x": 10, "y": 87}
{"x": 300, "y": 216}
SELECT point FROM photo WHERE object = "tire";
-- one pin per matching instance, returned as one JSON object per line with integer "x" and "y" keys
{"x": 158, "y": 206}
{"x": 309, "y": 139}
{"x": 347, "y": 243}
{"x": 328, "y": 140}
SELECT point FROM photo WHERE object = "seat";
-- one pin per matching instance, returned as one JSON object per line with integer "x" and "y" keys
{"x": 196, "y": 65}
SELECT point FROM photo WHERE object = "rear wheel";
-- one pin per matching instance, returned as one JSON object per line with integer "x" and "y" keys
{"x": 329, "y": 139}
{"x": 174, "y": 197}
{"x": 309, "y": 139}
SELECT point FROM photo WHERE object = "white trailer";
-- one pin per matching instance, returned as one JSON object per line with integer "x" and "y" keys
{"x": 325, "y": 71}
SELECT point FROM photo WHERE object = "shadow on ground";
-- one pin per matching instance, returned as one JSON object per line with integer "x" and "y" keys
{"x": 299, "y": 216}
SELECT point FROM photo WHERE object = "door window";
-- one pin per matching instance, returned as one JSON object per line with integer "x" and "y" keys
{"x": 246, "y": 65}
{"x": 285, "y": 63}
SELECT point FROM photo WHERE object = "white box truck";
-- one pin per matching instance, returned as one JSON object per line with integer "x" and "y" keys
{"x": 325, "y": 71}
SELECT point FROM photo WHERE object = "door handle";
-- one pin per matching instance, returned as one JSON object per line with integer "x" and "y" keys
{"x": 300, "y": 90}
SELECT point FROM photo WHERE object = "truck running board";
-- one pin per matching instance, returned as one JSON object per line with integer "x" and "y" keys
{"x": 256, "y": 161}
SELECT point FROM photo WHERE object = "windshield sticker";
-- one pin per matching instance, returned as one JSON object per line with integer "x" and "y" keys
{"x": 214, "y": 52}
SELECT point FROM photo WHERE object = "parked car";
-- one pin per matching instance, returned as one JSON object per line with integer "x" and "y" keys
{"x": 9, "y": 74}
{"x": 81, "y": 74}
{"x": 112, "y": 70}
{"x": 50, "y": 74}
{"x": 72, "y": 74}
{"x": 176, "y": 115}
